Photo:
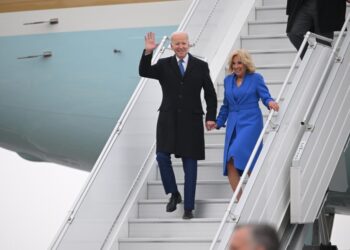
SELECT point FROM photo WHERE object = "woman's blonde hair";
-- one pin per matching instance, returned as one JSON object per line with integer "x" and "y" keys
{"x": 245, "y": 58}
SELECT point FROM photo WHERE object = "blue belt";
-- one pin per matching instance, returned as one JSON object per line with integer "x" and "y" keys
{"x": 238, "y": 107}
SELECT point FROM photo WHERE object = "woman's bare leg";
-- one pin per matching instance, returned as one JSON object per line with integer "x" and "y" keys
{"x": 233, "y": 177}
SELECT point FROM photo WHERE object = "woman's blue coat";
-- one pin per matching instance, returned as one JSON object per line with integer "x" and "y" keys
{"x": 244, "y": 118}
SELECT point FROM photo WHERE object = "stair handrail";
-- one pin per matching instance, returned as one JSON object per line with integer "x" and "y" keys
{"x": 139, "y": 180}
{"x": 325, "y": 73}
{"x": 114, "y": 135}
{"x": 206, "y": 22}
{"x": 257, "y": 145}
{"x": 188, "y": 15}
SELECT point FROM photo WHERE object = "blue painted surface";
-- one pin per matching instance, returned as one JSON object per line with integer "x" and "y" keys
{"x": 63, "y": 108}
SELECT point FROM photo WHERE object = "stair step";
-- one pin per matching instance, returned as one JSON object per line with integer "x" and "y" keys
{"x": 273, "y": 56}
{"x": 274, "y": 2}
{"x": 207, "y": 208}
{"x": 261, "y": 42}
{"x": 205, "y": 189}
{"x": 206, "y": 169}
{"x": 274, "y": 72}
{"x": 272, "y": 13}
{"x": 213, "y": 152}
{"x": 266, "y": 27}
{"x": 215, "y": 136}
{"x": 164, "y": 243}
{"x": 173, "y": 228}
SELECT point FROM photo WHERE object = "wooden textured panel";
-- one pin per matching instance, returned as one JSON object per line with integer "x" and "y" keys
{"x": 24, "y": 5}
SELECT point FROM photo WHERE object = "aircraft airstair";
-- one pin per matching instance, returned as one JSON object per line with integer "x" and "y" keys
{"x": 122, "y": 205}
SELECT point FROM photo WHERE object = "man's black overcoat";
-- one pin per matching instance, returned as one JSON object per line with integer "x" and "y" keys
{"x": 180, "y": 122}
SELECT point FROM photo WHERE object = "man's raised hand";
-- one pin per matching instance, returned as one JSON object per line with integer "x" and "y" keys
{"x": 150, "y": 42}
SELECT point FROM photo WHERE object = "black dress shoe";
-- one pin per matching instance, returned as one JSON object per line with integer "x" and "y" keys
{"x": 187, "y": 215}
{"x": 173, "y": 201}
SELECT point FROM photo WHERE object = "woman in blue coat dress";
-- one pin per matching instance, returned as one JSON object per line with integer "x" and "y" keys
{"x": 240, "y": 109}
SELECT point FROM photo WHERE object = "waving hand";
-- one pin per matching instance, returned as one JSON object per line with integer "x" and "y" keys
{"x": 150, "y": 42}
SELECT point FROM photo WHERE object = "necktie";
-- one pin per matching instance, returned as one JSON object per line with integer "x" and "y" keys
{"x": 181, "y": 67}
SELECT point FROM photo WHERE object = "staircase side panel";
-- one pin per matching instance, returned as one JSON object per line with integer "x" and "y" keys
{"x": 326, "y": 141}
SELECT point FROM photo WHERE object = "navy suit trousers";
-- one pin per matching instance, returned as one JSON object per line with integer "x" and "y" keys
{"x": 169, "y": 181}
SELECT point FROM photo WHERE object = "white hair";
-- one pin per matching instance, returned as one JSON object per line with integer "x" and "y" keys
{"x": 179, "y": 33}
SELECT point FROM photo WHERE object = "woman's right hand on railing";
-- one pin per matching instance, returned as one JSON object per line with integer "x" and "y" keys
{"x": 150, "y": 42}
{"x": 274, "y": 105}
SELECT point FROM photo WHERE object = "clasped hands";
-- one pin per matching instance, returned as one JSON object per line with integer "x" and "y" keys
{"x": 210, "y": 125}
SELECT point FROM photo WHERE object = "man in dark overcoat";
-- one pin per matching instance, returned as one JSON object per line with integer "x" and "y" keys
{"x": 180, "y": 128}
{"x": 322, "y": 17}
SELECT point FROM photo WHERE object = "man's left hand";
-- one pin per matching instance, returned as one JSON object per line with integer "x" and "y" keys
{"x": 210, "y": 125}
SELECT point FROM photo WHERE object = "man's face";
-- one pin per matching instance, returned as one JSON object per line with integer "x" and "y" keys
{"x": 179, "y": 44}
{"x": 240, "y": 240}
